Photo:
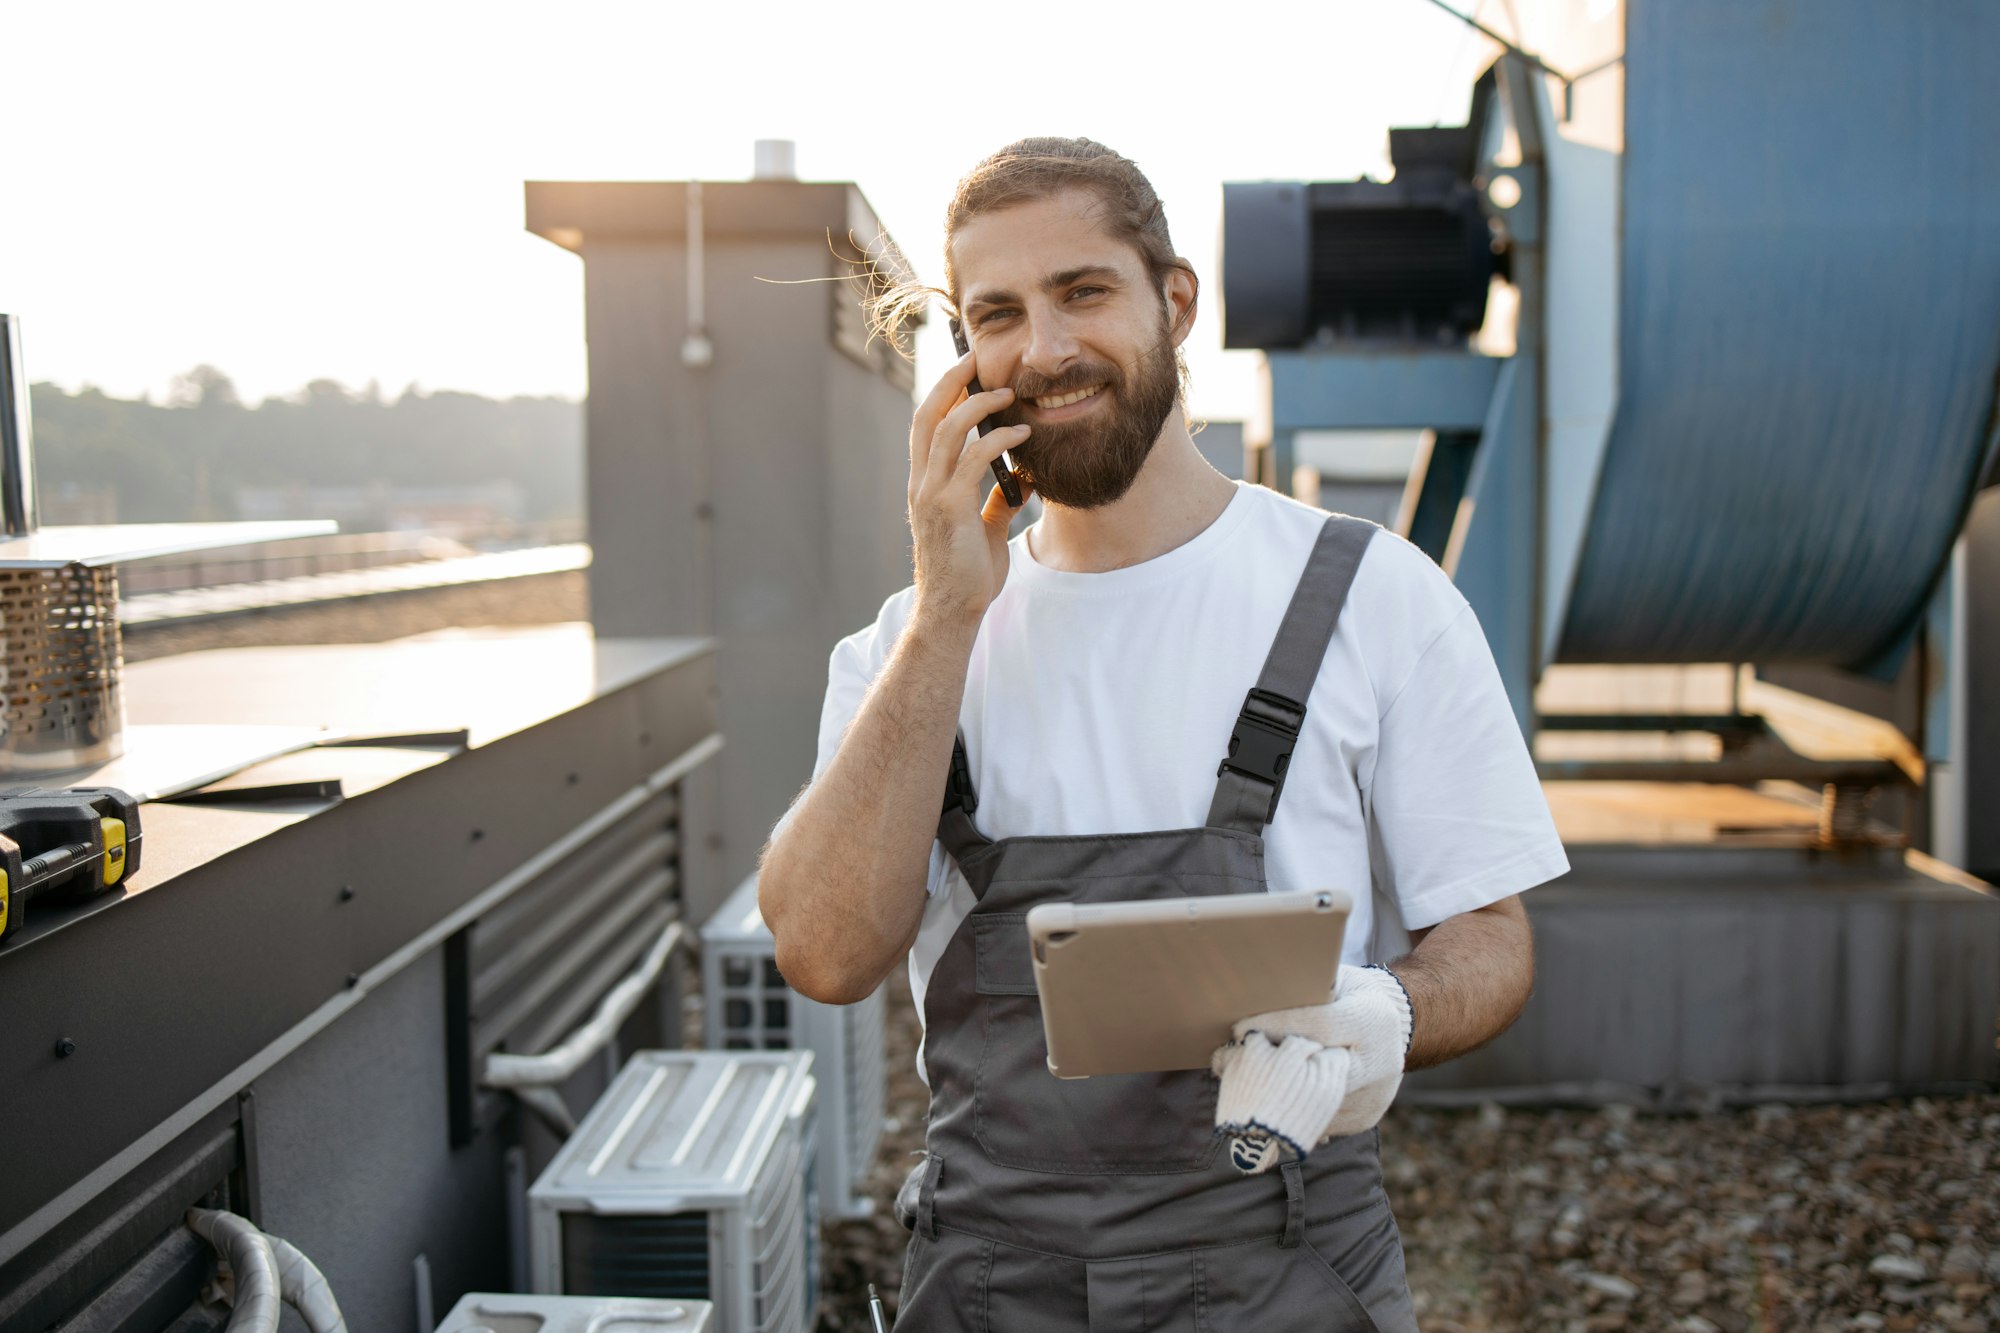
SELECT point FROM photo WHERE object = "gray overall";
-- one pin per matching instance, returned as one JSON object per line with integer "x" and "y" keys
{"x": 1108, "y": 1203}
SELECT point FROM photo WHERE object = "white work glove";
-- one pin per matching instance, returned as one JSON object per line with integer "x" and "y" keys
{"x": 1294, "y": 1078}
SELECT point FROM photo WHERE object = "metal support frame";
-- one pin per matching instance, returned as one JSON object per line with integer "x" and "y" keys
{"x": 1974, "y": 686}
{"x": 1478, "y": 493}
{"x": 1760, "y": 764}
{"x": 1752, "y": 752}
{"x": 1734, "y": 729}
{"x": 1437, "y": 484}
{"x": 1381, "y": 388}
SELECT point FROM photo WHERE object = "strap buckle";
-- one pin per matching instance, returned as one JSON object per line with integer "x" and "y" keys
{"x": 958, "y": 792}
{"x": 1261, "y": 744}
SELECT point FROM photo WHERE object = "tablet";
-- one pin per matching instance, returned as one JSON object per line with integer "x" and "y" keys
{"x": 1154, "y": 985}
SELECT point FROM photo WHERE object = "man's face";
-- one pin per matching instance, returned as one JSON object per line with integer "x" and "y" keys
{"x": 1072, "y": 321}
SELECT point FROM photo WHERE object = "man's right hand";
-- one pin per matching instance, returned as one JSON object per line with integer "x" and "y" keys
{"x": 961, "y": 549}
{"x": 842, "y": 886}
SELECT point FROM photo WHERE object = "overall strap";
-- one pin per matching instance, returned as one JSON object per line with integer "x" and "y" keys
{"x": 955, "y": 827}
{"x": 1252, "y": 777}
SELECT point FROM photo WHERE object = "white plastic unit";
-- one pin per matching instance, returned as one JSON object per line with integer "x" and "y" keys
{"x": 746, "y": 1006}
{"x": 694, "y": 1176}
{"x": 484, "y": 1312}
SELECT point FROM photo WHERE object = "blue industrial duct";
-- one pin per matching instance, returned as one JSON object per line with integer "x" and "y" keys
{"x": 1808, "y": 330}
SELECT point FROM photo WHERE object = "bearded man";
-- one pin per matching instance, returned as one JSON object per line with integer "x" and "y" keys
{"x": 1076, "y": 688}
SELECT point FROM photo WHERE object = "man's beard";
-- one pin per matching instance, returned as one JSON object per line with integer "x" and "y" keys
{"x": 1093, "y": 461}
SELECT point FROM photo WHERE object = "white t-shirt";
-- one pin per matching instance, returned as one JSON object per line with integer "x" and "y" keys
{"x": 1103, "y": 703}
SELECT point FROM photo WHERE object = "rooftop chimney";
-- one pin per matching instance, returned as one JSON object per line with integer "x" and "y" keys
{"x": 775, "y": 160}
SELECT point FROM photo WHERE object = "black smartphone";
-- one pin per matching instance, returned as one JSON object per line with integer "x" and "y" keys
{"x": 1010, "y": 487}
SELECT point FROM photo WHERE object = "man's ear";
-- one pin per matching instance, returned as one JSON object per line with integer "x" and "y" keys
{"x": 1181, "y": 294}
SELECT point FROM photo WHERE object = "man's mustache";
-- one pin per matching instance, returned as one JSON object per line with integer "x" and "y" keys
{"x": 1030, "y": 384}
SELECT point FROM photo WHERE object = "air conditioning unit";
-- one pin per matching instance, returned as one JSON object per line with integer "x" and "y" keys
{"x": 694, "y": 1176}
{"x": 746, "y": 1006}
{"x": 484, "y": 1312}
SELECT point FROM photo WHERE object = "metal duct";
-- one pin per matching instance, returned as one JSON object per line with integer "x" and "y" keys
{"x": 1809, "y": 329}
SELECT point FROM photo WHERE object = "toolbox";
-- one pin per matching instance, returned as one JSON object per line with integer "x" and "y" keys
{"x": 69, "y": 841}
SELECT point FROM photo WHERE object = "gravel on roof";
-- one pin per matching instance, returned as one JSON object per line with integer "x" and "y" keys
{"x": 1878, "y": 1216}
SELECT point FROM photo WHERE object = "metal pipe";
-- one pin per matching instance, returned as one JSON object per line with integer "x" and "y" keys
{"x": 696, "y": 352}
{"x": 17, "y": 436}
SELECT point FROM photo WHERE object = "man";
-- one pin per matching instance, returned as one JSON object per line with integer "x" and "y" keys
{"x": 1097, "y": 667}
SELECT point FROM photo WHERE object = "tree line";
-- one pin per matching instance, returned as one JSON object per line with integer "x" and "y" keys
{"x": 183, "y": 459}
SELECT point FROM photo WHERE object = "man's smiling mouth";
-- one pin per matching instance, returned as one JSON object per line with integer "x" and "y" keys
{"x": 1065, "y": 399}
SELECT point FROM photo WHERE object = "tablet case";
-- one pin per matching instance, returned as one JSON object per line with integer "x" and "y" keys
{"x": 1155, "y": 985}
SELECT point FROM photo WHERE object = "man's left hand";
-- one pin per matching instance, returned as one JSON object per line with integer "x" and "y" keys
{"x": 1294, "y": 1078}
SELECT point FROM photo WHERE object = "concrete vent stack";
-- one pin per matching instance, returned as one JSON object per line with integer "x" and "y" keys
{"x": 777, "y": 160}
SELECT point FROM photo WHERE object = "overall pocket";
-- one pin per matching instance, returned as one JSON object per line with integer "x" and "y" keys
{"x": 1261, "y": 1286}
{"x": 1024, "y": 1116}
{"x": 1365, "y": 1249}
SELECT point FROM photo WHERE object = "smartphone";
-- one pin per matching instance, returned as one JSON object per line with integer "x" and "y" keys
{"x": 1010, "y": 487}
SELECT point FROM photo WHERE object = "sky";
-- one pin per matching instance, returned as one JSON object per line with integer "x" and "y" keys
{"x": 291, "y": 192}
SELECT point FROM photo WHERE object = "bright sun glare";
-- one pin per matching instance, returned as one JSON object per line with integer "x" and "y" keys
{"x": 336, "y": 192}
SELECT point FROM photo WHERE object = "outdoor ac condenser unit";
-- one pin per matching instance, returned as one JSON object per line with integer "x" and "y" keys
{"x": 693, "y": 1176}
{"x": 485, "y": 1312}
{"x": 746, "y": 1006}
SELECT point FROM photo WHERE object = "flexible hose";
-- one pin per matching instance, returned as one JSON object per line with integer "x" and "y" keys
{"x": 533, "y": 1078}
{"x": 304, "y": 1288}
{"x": 556, "y": 1066}
{"x": 247, "y": 1251}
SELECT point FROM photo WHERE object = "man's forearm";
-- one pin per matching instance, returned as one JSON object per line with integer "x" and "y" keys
{"x": 842, "y": 887}
{"x": 1468, "y": 977}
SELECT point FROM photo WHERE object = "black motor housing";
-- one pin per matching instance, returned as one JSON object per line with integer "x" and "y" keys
{"x": 1408, "y": 259}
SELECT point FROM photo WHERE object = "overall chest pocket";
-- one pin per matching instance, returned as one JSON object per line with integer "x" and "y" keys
{"x": 1026, "y": 1117}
